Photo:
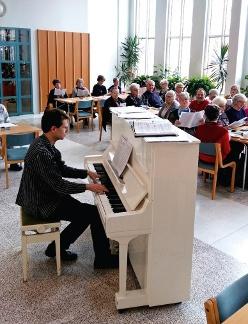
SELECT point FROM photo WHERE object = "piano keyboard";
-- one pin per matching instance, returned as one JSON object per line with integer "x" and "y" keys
{"x": 112, "y": 196}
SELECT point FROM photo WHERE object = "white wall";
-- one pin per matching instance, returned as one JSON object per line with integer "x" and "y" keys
{"x": 61, "y": 15}
{"x": 106, "y": 33}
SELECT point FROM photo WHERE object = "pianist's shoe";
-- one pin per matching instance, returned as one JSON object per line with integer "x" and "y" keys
{"x": 65, "y": 255}
{"x": 111, "y": 261}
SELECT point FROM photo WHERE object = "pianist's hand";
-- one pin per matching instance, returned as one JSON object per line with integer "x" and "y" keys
{"x": 93, "y": 175}
{"x": 96, "y": 187}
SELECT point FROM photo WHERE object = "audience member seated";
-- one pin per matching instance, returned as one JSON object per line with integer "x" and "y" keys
{"x": 212, "y": 94}
{"x": 178, "y": 89}
{"x": 150, "y": 97}
{"x": 115, "y": 85}
{"x": 212, "y": 132}
{"x": 170, "y": 107}
{"x": 4, "y": 118}
{"x": 200, "y": 102}
{"x": 237, "y": 110}
{"x": 233, "y": 91}
{"x": 221, "y": 103}
{"x": 80, "y": 91}
{"x": 133, "y": 99}
{"x": 99, "y": 89}
{"x": 55, "y": 93}
{"x": 164, "y": 84}
{"x": 113, "y": 101}
{"x": 184, "y": 101}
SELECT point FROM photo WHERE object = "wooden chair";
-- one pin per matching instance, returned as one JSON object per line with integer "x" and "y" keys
{"x": 229, "y": 301}
{"x": 214, "y": 149}
{"x": 83, "y": 110}
{"x": 34, "y": 231}
{"x": 15, "y": 150}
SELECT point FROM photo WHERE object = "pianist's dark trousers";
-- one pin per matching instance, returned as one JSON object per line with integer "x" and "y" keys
{"x": 80, "y": 216}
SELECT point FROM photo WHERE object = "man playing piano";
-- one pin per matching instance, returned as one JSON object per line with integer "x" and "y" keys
{"x": 44, "y": 193}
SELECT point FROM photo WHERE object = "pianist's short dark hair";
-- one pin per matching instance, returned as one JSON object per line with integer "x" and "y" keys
{"x": 212, "y": 112}
{"x": 52, "y": 117}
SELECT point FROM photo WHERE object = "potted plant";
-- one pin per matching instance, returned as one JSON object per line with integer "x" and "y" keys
{"x": 245, "y": 90}
{"x": 129, "y": 60}
{"x": 195, "y": 83}
{"x": 218, "y": 67}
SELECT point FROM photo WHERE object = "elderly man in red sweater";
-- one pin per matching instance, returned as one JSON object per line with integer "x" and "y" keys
{"x": 200, "y": 101}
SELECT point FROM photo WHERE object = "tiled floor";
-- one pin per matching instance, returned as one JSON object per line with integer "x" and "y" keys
{"x": 222, "y": 223}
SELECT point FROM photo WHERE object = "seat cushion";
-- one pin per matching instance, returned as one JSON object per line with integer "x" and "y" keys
{"x": 84, "y": 114}
{"x": 15, "y": 154}
{"x": 204, "y": 165}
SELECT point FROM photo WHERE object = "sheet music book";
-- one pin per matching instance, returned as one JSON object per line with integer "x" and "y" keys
{"x": 82, "y": 93}
{"x": 127, "y": 110}
{"x": 59, "y": 92}
{"x": 153, "y": 127}
{"x": 191, "y": 119}
{"x": 122, "y": 154}
{"x": 238, "y": 123}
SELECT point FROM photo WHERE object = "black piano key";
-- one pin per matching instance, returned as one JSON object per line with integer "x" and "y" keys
{"x": 113, "y": 198}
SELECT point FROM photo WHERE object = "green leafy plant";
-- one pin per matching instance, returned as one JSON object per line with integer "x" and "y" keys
{"x": 218, "y": 67}
{"x": 245, "y": 90}
{"x": 195, "y": 83}
{"x": 174, "y": 78}
{"x": 141, "y": 80}
{"x": 129, "y": 60}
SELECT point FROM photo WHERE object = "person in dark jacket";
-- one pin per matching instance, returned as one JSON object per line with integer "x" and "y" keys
{"x": 115, "y": 85}
{"x": 45, "y": 194}
{"x": 150, "y": 97}
{"x": 113, "y": 101}
{"x": 55, "y": 93}
{"x": 99, "y": 89}
{"x": 133, "y": 99}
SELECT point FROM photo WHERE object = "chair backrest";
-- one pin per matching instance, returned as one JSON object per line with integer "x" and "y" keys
{"x": 20, "y": 139}
{"x": 208, "y": 148}
{"x": 232, "y": 298}
{"x": 85, "y": 104}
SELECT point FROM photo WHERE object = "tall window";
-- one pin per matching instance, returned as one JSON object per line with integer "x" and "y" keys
{"x": 218, "y": 27}
{"x": 177, "y": 55}
{"x": 145, "y": 30}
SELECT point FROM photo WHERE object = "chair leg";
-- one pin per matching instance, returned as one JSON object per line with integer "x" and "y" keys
{"x": 58, "y": 259}
{"x": 233, "y": 179}
{"x": 204, "y": 176}
{"x": 7, "y": 175}
{"x": 214, "y": 186}
{"x": 24, "y": 257}
{"x": 100, "y": 135}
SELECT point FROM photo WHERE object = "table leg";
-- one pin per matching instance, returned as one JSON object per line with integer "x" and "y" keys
{"x": 245, "y": 166}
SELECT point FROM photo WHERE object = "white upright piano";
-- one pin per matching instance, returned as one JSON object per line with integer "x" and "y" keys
{"x": 155, "y": 223}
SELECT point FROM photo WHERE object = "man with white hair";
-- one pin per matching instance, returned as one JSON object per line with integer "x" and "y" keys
{"x": 237, "y": 110}
{"x": 212, "y": 94}
{"x": 133, "y": 99}
{"x": 170, "y": 107}
{"x": 150, "y": 96}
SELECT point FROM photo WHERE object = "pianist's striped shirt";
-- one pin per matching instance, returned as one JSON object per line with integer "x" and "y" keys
{"x": 42, "y": 185}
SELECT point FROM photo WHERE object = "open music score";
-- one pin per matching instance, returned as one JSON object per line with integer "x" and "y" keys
{"x": 122, "y": 154}
{"x": 153, "y": 127}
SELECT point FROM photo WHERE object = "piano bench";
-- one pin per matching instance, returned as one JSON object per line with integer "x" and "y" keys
{"x": 38, "y": 230}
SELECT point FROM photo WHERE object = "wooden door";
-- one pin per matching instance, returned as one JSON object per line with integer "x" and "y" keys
{"x": 63, "y": 56}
